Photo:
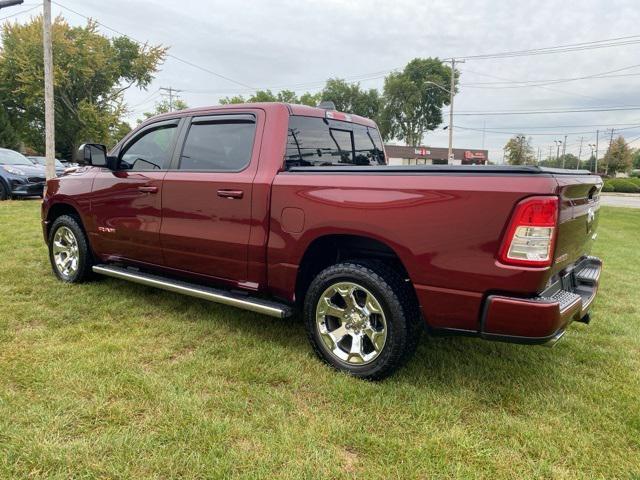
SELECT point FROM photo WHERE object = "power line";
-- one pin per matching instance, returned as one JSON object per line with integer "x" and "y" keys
{"x": 529, "y": 127}
{"x": 186, "y": 62}
{"x": 564, "y": 92}
{"x": 539, "y": 83}
{"x": 21, "y": 12}
{"x": 148, "y": 98}
{"x": 543, "y": 112}
{"x": 381, "y": 74}
{"x": 571, "y": 47}
{"x": 540, "y": 134}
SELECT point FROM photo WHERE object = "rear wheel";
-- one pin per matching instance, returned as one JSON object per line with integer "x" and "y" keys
{"x": 362, "y": 319}
{"x": 69, "y": 252}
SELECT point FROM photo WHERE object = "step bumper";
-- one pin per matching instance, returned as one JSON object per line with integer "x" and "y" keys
{"x": 543, "y": 319}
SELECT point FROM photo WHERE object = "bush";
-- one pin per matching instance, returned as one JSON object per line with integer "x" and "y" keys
{"x": 607, "y": 187}
{"x": 624, "y": 185}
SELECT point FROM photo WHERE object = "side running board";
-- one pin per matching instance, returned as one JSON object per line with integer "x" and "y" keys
{"x": 266, "y": 307}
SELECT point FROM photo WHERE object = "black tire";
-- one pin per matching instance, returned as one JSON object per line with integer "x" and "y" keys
{"x": 4, "y": 194}
{"x": 402, "y": 316}
{"x": 83, "y": 271}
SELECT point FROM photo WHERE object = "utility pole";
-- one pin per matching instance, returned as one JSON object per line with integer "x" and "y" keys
{"x": 579, "y": 153}
{"x": 539, "y": 155}
{"x": 170, "y": 91}
{"x": 564, "y": 150}
{"x": 521, "y": 156}
{"x": 451, "y": 95}
{"x": 49, "y": 112}
{"x": 595, "y": 168}
{"x": 550, "y": 152}
{"x": 592, "y": 146}
{"x": 484, "y": 132}
{"x": 558, "y": 143}
{"x": 606, "y": 168}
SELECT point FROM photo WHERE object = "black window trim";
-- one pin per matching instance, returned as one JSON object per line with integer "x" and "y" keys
{"x": 352, "y": 152}
{"x": 212, "y": 118}
{"x": 147, "y": 129}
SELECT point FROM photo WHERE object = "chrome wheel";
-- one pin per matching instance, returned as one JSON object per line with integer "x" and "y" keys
{"x": 351, "y": 323}
{"x": 65, "y": 252}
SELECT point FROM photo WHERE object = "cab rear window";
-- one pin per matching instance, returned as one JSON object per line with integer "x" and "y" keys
{"x": 320, "y": 142}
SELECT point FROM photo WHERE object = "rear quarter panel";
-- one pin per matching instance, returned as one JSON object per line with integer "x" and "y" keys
{"x": 446, "y": 229}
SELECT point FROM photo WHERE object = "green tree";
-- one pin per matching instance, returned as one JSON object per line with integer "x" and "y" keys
{"x": 8, "y": 135}
{"x": 550, "y": 162}
{"x": 568, "y": 160}
{"x": 233, "y": 100}
{"x": 635, "y": 159}
{"x": 164, "y": 106}
{"x": 286, "y": 96}
{"x": 518, "y": 151}
{"x": 350, "y": 98}
{"x": 310, "y": 99}
{"x": 618, "y": 156}
{"x": 91, "y": 74}
{"x": 414, "y": 99}
{"x": 263, "y": 96}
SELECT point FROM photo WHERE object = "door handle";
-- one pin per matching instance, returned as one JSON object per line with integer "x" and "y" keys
{"x": 230, "y": 193}
{"x": 148, "y": 189}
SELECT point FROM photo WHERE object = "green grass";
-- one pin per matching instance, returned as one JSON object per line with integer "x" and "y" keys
{"x": 115, "y": 380}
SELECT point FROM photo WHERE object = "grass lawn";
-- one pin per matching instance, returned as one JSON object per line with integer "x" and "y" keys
{"x": 115, "y": 380}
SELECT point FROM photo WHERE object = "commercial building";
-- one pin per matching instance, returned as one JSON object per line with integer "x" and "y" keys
{"x": 401, "y": 155}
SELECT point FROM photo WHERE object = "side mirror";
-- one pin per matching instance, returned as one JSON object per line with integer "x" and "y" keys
{"x": 94, "y": 154}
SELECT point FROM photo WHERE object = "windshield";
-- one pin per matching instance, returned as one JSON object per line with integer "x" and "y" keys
{"x": 43, "y": 161}
{"x": 9, "y": 157}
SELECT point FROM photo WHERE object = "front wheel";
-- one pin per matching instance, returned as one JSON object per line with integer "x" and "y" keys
{"x": 362, "y": 318}
{"x": 69, "y": 252}
{"x": 4, "y": 194}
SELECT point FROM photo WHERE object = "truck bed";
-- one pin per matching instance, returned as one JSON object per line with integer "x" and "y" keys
{"x": 436, "y": 169}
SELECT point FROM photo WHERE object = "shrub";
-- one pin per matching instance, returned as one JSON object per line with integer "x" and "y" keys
{"x": 624, "y": 185}
{"x": 607, "y": 187}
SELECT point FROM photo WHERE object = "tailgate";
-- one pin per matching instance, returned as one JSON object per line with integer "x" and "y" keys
{"x": 578, "y": 217}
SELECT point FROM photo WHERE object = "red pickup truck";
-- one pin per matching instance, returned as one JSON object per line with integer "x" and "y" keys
{"x": 280, "y": 208}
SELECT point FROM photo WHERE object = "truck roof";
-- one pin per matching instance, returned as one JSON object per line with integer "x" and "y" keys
{"x": 294, "y": 109}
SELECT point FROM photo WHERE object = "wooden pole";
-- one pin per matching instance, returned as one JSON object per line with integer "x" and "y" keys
{"x": 49, "y": 113}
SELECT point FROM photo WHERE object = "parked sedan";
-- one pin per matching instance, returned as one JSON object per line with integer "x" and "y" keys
{"x": 19, "y": 177}
{"x": 42, "y": 161}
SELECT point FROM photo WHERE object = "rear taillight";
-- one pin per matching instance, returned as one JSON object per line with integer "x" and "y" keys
{"x": 531, "y": 233}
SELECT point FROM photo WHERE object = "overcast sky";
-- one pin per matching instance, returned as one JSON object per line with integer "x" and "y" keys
{"x": 297, "y": 44}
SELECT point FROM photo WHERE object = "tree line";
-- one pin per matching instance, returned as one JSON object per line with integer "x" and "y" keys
{"x": 619, "y": 157}
{"x": 92, "y": 72}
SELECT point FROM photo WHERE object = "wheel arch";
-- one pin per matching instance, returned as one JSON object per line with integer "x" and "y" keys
{"x": 57, "y": 210}
{"x": 5, "y": 183}
{"x": 330, "y": 249}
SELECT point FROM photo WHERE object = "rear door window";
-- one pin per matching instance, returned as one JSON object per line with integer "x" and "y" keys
{"x": 216, "y": 144}
{"x": 314, "y": 141}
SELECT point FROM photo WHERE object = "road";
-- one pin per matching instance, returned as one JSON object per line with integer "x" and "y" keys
{"x": 620, "y": 201}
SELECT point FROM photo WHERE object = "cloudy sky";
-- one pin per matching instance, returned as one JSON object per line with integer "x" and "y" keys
{"x": 297, "y": 44}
